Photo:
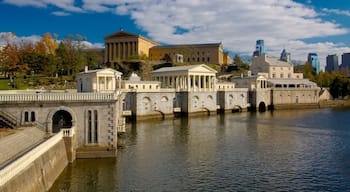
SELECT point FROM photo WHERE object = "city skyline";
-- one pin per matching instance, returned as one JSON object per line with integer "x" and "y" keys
{"x": 300, "y": 27}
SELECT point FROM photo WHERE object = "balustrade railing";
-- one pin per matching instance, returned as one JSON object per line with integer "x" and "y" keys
{"x": 68, "y": 132}
{"x": 58, "y": 97}
{"x": 11, "y": 118}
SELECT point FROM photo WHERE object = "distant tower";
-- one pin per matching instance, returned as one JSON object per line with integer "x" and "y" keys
{"x": 260, "y": 48}
{"x": 345, "y": 60}
{"x": 285, "y": 56}
{"x": 313, "y": 59}
{"x": 332, "y": 63}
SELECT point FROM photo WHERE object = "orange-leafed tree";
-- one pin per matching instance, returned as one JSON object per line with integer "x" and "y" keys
{"x": 9, "y": 59}
{"x": 50, "y": 43}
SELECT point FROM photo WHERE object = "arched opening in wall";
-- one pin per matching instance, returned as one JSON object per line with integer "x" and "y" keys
{"x": 236, "y": 109}
{"x": 61, "y": 119}
{"x": 195, "y": 102}
{"x": 262, "y": 107}
{"x": 146, "y": 104}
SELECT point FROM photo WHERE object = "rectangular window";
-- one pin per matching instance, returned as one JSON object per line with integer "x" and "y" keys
{"x": 96, "y": 126}
{"x": 89, "y": 127}
{"x": 32, "y": 116}
{"x": 26, "y": 116}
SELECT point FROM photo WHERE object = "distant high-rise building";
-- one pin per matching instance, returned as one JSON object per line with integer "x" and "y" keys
{"x": 345, "y": 66}
{"x": 332, "y": 63}
{"x": 285, "y": 56}
{"x": 313, "y": 60}
{"x": 260, "y": 48}
{"x": 345, "y": 59}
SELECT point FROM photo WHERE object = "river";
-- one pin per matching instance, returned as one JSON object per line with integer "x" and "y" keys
{"x": 285, "y": 150}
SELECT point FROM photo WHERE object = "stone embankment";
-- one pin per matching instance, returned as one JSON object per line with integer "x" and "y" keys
{"x": 335, "y": 103}
{"x": 32, "y": 162}
{"x": 321, "y": 104}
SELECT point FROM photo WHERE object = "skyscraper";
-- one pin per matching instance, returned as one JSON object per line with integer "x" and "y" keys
{"x": 260, "y": 48}
{"x": 332, "y": 63}
{"x": 345, "y": 59}
{"x": 313, "y": 60}
{"x": 285, "y": 56}
{"x": 345, "y": 66}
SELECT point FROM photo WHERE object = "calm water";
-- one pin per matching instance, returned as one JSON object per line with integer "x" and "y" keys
{"x": 298, "y": 150}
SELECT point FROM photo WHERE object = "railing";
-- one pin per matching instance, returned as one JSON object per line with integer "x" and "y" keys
{"x": 58, "y": 97}
{"x": 21, "y": 163}
{"x": 11, "y": 118}
{"x": 68, "y": 132}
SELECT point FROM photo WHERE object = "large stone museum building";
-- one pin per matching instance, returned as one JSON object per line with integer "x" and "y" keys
{"x": 122, "y": 46}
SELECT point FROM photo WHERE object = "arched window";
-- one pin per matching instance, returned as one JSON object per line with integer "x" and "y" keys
{"x": 164, "y": 99}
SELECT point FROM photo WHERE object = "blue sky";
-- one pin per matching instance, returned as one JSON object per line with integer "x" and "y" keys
{"x": 300, "y": 26}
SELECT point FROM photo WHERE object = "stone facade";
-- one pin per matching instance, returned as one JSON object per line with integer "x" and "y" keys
{"x": 192, "y": 53}
{"x": 122, "y": 45}
{"x": 93, "y": 117}
{"x": 274, "y": 67}
{"x": 100, "y": 80}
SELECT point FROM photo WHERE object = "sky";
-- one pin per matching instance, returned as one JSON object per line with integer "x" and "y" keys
{"x": 299, "y": 26}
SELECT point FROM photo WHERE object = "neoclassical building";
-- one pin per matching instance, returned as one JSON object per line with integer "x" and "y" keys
{"x": 274, "y": 67}
{"x": 99, "y": 80}
{"x": 191, "y": 53}
{"x": 122, "y": 45}
{"x": 186, "y": 78}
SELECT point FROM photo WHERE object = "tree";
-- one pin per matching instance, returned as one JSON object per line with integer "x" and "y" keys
{"x": 340, "y": 87}
{"x": 238, "y": 61}
{"x": 8, "y": 60}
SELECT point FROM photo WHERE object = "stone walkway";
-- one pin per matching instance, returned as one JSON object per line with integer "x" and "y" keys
{"x": 15, "y": 144}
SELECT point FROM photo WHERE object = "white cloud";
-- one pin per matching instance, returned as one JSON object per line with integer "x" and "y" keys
{"x": 337, "y": 11}
{"x": 66, "y": 5}
{"x": 60, "y": 13}
{"x": 235, "y": 23}
{"x": 11, "y": 38}
{"x": 8, "y": 37}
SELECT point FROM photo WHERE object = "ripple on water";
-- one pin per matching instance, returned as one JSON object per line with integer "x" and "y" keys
{"x": 299, "y": 150}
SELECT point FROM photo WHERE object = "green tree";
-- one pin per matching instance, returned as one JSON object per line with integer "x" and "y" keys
{"x": 71, "y": 56}
{"x": 340, "y": 87}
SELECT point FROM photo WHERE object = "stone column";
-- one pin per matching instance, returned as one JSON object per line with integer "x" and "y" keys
{"x": 116, "y": 51}
{"x": 123, "y": 50}
{"x": 119, "y": 51}
{"x": 188, "y": 79}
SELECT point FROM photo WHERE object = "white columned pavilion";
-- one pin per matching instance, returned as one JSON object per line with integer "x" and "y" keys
{"x": 192, "y": 78}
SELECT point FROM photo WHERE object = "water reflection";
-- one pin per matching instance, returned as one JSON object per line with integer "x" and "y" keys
{"x": 297, "y": 150}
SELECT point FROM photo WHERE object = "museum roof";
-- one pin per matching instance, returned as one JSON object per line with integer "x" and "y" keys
{"x": 188, "y": 45}
{"x": 183, "y": 68}
{"x": 122, "y": 33}
{"x": 101, "y": 70}
{"x": 292, "y": 81}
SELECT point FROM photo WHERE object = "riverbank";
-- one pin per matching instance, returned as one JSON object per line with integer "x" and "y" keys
{"x": 321, "y": 104}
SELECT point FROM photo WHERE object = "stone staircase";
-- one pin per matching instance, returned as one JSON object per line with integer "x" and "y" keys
{"x": 7, "y": 120}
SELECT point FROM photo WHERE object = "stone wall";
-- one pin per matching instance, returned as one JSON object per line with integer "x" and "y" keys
{"x": 40, "y": 174}
{"x": 295, "y": 96}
